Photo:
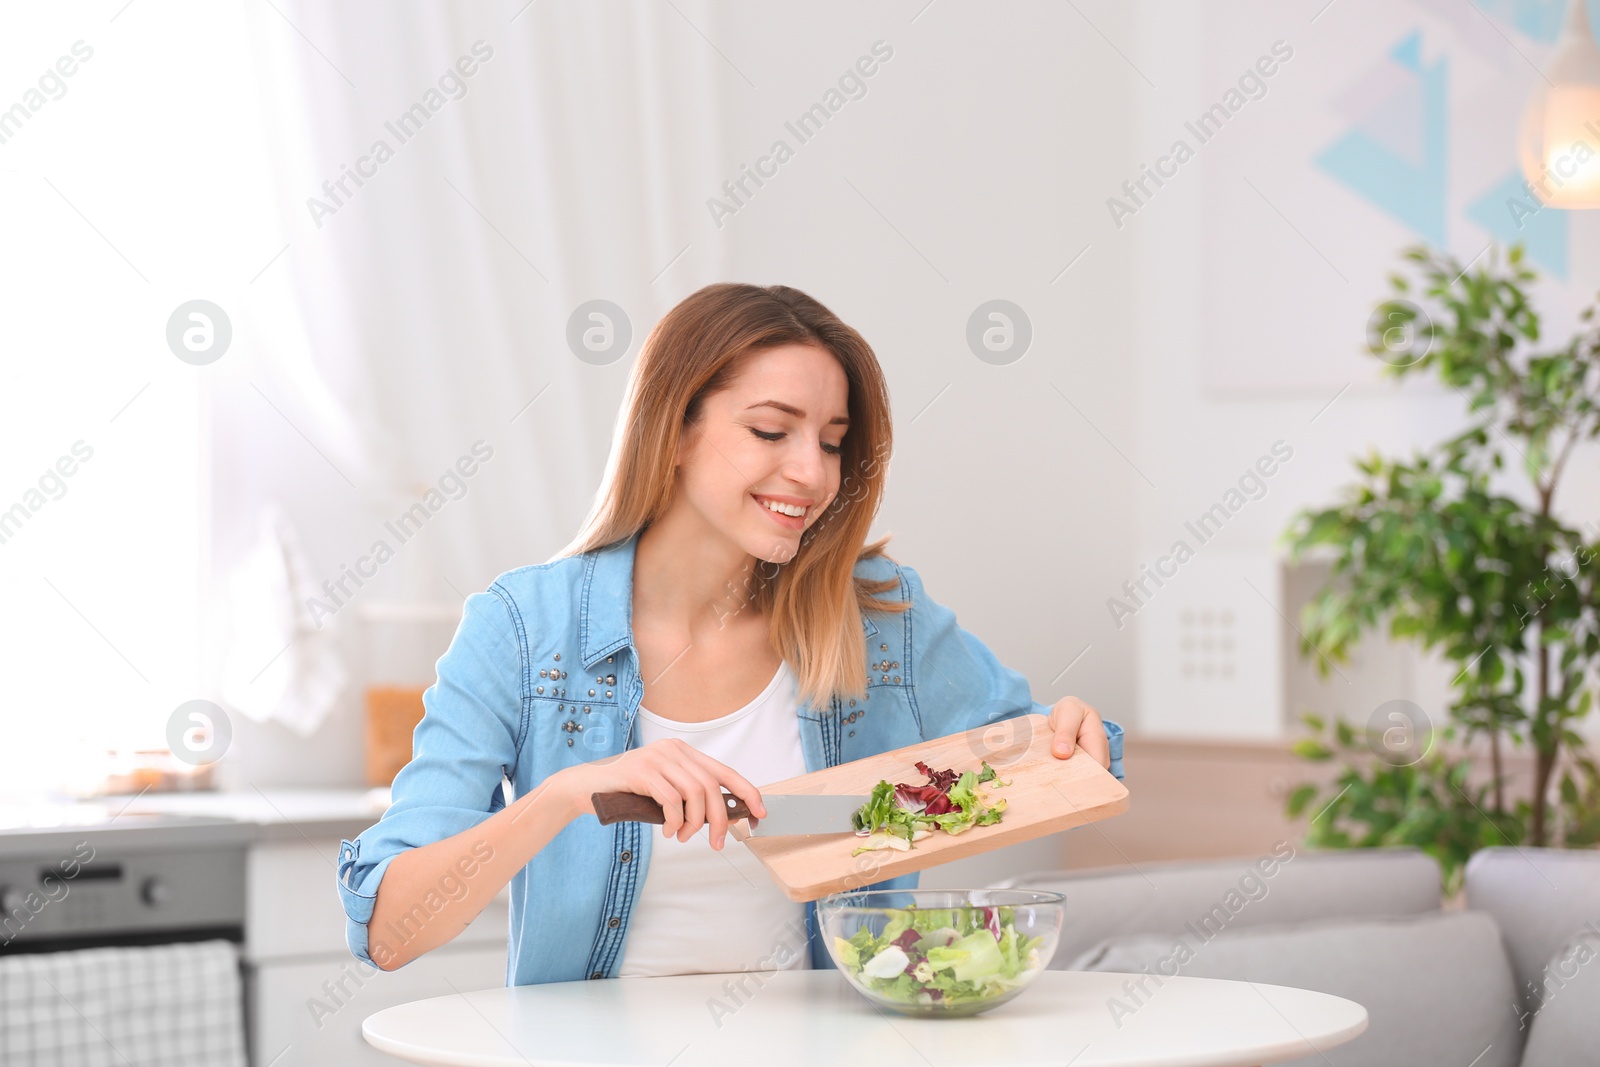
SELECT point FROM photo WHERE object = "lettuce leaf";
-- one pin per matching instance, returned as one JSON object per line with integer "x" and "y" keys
{"x": 961, "y": 955}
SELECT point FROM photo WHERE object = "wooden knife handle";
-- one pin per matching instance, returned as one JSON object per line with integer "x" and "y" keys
{"x": 636, "y": 807}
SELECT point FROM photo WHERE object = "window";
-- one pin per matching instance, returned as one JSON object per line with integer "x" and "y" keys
{"x": 134, "y": 178}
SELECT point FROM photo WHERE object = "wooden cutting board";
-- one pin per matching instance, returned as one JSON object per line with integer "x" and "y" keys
{"x": 1045, "y": 796}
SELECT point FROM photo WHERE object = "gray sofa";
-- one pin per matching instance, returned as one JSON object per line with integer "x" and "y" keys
{"x": 1511, "y": 980}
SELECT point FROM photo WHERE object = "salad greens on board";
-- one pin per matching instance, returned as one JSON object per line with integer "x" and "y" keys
{"x": 896, "y": 816}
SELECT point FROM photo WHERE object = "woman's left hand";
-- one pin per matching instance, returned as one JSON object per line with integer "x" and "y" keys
{"x": 1075, "y": 723}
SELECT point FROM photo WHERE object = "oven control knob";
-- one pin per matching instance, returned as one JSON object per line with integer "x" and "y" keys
{"x": 154, "y": 892}
{"x": 10, "y": 899}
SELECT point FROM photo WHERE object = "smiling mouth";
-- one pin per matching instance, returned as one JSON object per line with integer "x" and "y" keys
{"x": 793, "y": 522}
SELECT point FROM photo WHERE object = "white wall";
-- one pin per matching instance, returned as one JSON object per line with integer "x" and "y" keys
{"x": 1252, "y": 305}
{"x": 971, "y": 171}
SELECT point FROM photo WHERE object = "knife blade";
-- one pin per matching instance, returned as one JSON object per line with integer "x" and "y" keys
{"x": 804, "y": 813}
{"x": 787, "y": 813}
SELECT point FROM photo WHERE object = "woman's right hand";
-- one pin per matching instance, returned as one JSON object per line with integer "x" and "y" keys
{"x": 683, "y": 780}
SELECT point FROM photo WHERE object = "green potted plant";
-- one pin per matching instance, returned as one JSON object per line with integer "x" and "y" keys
{"x": 1452, "y": 549}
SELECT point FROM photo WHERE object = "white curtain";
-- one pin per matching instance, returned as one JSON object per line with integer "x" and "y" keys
{"x": 432, "y": 300}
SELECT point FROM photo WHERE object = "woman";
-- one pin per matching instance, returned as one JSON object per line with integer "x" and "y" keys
{"x": 717, "y": 623}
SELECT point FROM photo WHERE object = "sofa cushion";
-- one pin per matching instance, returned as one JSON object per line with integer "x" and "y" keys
{"x": 1284, "y": 886}
{"x": 1437, "y": 988}
{"x": 1565, "y": 1023}
{"x": 1542, "y": 898}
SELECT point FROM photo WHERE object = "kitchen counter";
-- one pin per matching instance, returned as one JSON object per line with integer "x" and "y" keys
{"x": 257, "y": 867}
{"x": 199, "y": 819}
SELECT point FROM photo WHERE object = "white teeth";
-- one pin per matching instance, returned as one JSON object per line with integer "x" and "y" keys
{"x": 792, "y": 510}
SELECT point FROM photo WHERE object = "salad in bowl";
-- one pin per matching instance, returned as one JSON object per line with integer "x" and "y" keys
{"x": 941, "y": 952}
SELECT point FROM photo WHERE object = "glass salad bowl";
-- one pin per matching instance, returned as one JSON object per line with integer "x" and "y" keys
{"x": 941, "y": 952}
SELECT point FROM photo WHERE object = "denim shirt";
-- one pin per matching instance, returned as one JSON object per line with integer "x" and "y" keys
{"x": 542, "y": 674}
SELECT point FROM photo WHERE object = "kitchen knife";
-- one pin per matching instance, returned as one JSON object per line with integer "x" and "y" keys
{"x": 787, "y": 814}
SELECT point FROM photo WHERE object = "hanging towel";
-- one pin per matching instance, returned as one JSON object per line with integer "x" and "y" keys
{"x": 178, "y": 1005}
{"x": 279, "y": 664}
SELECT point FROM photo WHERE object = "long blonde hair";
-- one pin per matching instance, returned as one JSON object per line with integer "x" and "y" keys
{"x": 813, "y": 602}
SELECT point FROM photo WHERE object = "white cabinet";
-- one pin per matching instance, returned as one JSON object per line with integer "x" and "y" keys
{"x": 309, "y": 1014}
{"x": 306, "y": 994}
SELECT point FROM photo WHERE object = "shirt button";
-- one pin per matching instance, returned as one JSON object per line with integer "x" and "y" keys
{"x": 613, "y": 922}
{"x": 627, "y": 854}
{"x": 598, "y": 974}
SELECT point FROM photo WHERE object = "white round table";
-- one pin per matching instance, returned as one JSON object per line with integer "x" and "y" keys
{"x": 814, "y": 1019}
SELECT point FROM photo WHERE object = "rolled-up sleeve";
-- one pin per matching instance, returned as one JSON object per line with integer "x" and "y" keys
{"x": 961, "y": 683}
{"x": 1114, "y": 736}
{"x": 471, "y": 731}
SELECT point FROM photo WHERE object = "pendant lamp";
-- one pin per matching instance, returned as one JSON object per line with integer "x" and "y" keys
{"x": 1559, "y": 142}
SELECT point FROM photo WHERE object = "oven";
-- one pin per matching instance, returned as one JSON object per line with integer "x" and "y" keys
{"x": 123, "y": 938}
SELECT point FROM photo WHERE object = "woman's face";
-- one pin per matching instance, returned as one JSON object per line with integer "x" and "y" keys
{"x": 773, "y": 435}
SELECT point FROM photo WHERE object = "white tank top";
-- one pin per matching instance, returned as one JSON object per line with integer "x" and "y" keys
{"x": 701, "y": 910}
